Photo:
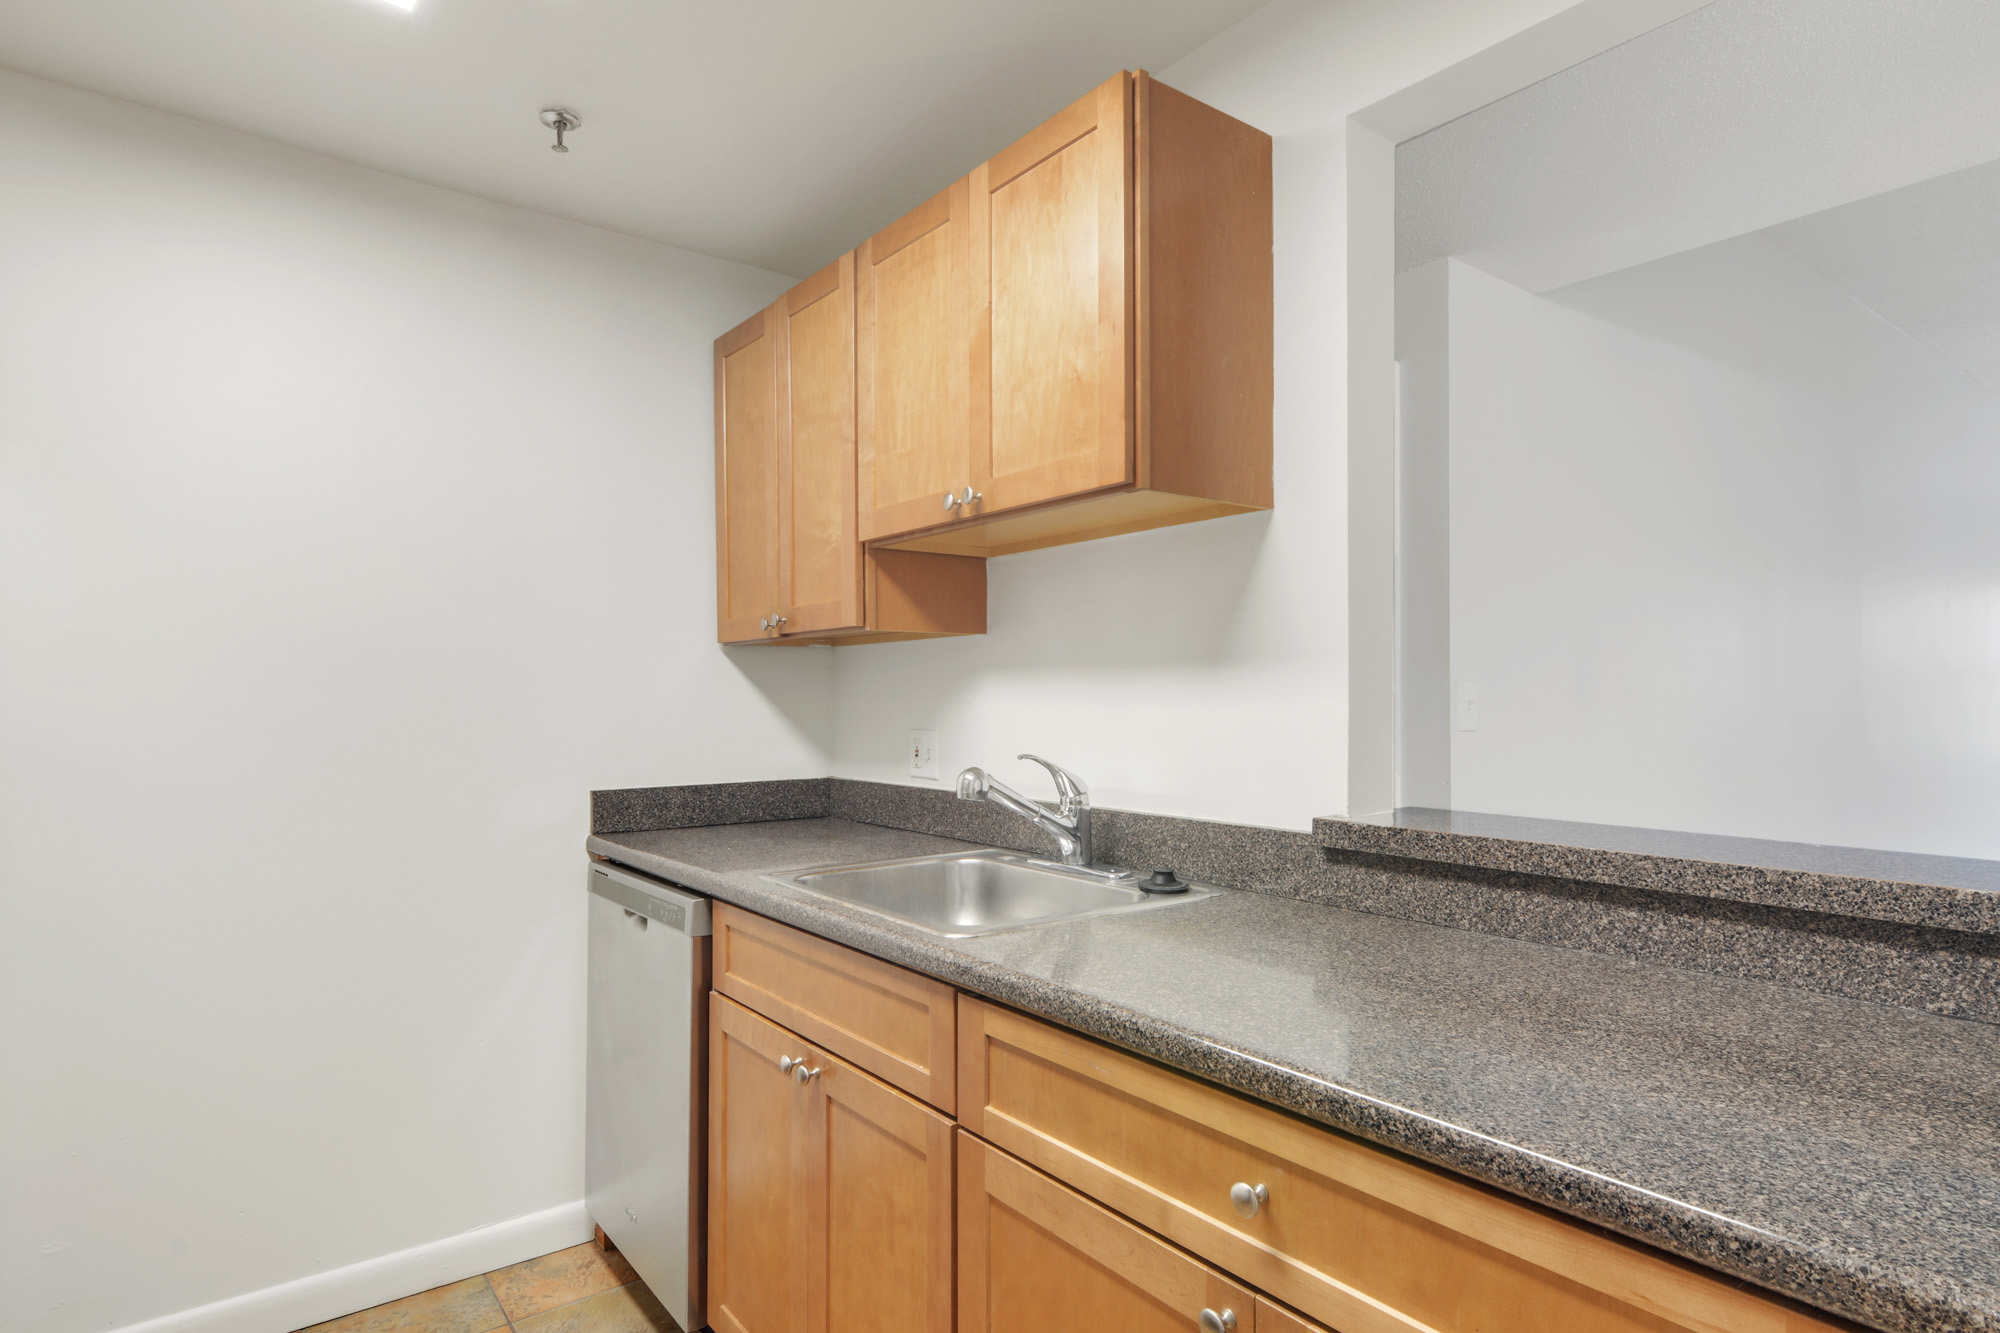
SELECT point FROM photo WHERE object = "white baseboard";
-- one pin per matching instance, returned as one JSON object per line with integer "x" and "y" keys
{"x": 323, "y": 1296}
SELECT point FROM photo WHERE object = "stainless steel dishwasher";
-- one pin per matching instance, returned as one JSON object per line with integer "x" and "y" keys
{"x": 646, "y": 1079}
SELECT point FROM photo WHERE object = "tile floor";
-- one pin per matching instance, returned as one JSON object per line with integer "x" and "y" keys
{"x": 578, "y": 1290}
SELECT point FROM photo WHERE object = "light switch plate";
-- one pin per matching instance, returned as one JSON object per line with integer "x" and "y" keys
{"x": 924, "y": 755}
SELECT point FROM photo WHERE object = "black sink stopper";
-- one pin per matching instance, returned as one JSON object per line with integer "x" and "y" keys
{"x": 1163, "y": 881}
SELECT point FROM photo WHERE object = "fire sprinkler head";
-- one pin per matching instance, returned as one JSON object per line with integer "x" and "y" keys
{"x": 562, "y": 120}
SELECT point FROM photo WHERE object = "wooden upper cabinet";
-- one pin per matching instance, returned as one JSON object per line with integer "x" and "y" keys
{"x": 819, "y": 546}
{"x": 1120, "y": 344}
{"x": 1051, "y": 296}
{"x": 914, "y": 334}
{"x": 790, "y": 564}
{"x": 746, "y": 479}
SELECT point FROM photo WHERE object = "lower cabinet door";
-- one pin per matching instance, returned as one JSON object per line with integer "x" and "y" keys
{"x": 1034, "y": 1254}
{"x": 879, "y": 1224}
{"x": 757, "y": 1174}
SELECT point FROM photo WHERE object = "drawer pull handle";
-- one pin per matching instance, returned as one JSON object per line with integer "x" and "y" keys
{"x": 1213, "y": 1321}
{"x": 803, "y": 1074}
{"x": 786, "y": 1064}
{"x": 1249, "y": 1199}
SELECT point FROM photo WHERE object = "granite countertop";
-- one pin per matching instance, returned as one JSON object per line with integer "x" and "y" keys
{"x": 1843, "y": 1153}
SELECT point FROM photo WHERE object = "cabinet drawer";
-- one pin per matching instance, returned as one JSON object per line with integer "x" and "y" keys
{"x": 1034, "y": 1255}
{"x": 892, "y": 1022}
{"x": 1353, "y": 1235}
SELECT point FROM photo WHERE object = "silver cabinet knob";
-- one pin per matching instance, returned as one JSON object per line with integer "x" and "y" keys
{"x": 950, "y": 501}
{"x": 1248, "y": 1199}
{"x": 804, "y": 1075}
{"x": 777, "y": 621}
{"x": 764, "y": 623}
{"x": 786, "y": 1064}
{"x": 1217, "y": 1321}
{"x": 969, "y": 497}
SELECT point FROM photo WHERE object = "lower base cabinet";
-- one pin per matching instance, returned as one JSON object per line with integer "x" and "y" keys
{"x": 1084, "y": 1189}
{"x": 830, "y": 1192}
{"x": 1034, "y": 1254}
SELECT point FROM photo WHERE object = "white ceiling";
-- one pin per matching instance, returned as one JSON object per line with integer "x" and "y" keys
{"x": 774, "y": 132}
{"x": 1926, "y": 258}
{"x": 1737, "y": 117}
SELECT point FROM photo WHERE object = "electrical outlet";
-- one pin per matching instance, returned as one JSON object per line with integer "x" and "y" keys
{"x": 923, "y": 755}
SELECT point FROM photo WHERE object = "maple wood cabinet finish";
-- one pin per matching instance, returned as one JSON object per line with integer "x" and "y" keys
{"x": 1356, "y": 1236}
{"x": 757, "y": 1154}
{"x": 879, "y": 1233}
{"x": 1116, "y": 333}
{"x": 914, "y": 337}
{"x": 746, "y": 478}
{"x": 819, "y": 549}
{"x": 1033, "y": 1254}
{"x": 1275, "y": 1318}
{"x": 830, "y": 1197}
{"x": 790, "y": 566}
{"x": 897, "y": 1024}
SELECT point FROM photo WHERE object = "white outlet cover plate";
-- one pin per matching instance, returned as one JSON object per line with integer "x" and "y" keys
{"x": 924, "y": 754}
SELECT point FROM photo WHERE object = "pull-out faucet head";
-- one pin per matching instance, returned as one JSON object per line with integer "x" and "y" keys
{"x": 1068, "y": 823}
{"x": 972, "y": 784}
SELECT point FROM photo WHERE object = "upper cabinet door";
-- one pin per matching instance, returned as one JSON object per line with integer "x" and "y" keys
{"x": 1052, "y": 254}
{"x": 912, "y": 335}
{"x": 746, "y": 471}
{"x": 819, "y": 546}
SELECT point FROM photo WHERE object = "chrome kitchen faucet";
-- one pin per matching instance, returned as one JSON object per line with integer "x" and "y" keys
{"x": 1068, "y": 823}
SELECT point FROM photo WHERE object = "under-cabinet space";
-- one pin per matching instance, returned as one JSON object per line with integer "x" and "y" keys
{"x": 897, "y": 1024}
{"x": 1362, "y": 1238}
{"x": 790, "y": 566}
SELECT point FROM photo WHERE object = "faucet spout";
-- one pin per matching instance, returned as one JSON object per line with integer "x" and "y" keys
{"x": 1068, "y": 823}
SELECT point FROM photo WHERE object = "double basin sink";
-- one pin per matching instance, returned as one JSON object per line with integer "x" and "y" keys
{"x": 960, "y": 894}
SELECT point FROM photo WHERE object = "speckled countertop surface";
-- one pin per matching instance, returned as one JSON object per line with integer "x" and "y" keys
{"x": 1844, "y": 1153}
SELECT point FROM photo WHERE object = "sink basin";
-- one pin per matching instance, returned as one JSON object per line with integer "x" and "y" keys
{"x": 976, "y": 893}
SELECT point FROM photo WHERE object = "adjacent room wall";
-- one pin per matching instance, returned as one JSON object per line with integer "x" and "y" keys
{"x": 1723, "y": 558}
{"x": 1199, "y": 670}
{"x": 351, "y": 531}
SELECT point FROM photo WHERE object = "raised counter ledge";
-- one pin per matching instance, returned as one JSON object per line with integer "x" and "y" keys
{"x": 1842, "y": 1153}
{"x": 1939, "y": 892}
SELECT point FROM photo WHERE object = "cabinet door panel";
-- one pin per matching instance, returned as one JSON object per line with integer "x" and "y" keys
{"x": 746, "y": 471}
{"x": 912, "y": 368}
{"x": 1052, "y": 370}
{"x": 757, "y": 1176}
{"x": 1034, "y": 1254}
{"x": 881, "y": 1229}
{"x": 819, "y": 547}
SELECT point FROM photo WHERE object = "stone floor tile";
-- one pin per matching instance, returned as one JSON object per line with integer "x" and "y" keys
{"x": 557, "y": 1279}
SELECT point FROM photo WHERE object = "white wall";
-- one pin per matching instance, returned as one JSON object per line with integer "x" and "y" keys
{"x": 1199, "y": 670}
{"x": 350, "y": 532}
{"x": 1723, "y": 558}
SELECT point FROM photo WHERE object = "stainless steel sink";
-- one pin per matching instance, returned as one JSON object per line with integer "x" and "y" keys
{"x": 977, "y": 893}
